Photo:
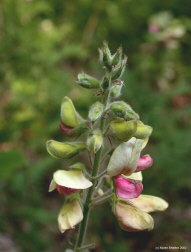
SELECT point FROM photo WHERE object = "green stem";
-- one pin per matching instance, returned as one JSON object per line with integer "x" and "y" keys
{"x": 87, "y": 208}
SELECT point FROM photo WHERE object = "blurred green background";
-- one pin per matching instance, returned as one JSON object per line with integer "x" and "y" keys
{"x": 44, "y": 44}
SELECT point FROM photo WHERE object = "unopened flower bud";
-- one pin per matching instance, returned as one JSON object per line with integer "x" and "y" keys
{"x": 125, "y": 158}
{"x": 144, "y": 163}
{"x": 123, "y": 110}
{"x": 94, "y": 141}
{"x": 105, "y": 81}
{"x": 131, "y": 218}
{"x": 117, "y": 56}
{"x": 95, "y": 111}
{"x": 143, "y": 131}
{"x": 88, "y": 81}
{"x": 69, "y": 116}
{"x": 70, "y": 215}
{"x": 128, "y": 188}
{"x": 124, "y": 130}
{"x": 67, "y": 182}
{"x": 115, "y": 90}
{"x": 148, "y": 203}
{"x": 107, "y": 58}
{"x": 118, "y": 70}
{"x": 64, "y": 150}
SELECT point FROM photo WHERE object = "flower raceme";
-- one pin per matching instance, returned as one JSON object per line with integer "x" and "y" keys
{"x": 68, "y": 182}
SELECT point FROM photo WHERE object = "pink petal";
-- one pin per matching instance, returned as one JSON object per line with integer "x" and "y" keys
{"x": 65, "y": 190}
{"x": 144, "y": 163}
{"x": 66, "y": 130}
{"x": 128, "y": 188}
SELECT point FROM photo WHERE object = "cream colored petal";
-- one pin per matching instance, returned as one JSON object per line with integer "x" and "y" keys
{"x": 148, "y": 203}
{"x": 135, "y": 176}
{"x": 132, "y": 219}
{"x": 120, "y": 158}
{"x": 52, "y": 185}
{"x": 69, "y": 215}
{"x": 135, "y": 155}
{"x": 72, "y": 179}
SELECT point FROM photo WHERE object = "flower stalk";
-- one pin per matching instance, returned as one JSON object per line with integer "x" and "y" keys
{"x": 121, "y": 181}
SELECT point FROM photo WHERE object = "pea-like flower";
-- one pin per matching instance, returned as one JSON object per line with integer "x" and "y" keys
{"x": 68, "y": 182}
{"x": 70, "y": 215}
{"x": 132, "y": 215}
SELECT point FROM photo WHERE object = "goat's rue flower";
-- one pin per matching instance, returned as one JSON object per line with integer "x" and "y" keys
{"x": 70, "y": 215}
{"x": 67, "y": 182}
{"x": 131, "y": 218}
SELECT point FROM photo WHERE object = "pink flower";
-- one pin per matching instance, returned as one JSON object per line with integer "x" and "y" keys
{"x": 144, "y": 163}
{"x": 128, "y": 188}
{"x": 65, "y": 190}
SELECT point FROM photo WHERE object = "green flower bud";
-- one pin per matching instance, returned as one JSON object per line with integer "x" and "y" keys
{"x": 123, "y": 110}
{"x": 117, "y": 56}
{"x": 94, "y": 141}
{"x": 70, "y": 215}
{"x": 64, "y": 150}
{"x": 88, "y": 81}
{"x": 124, "y": 130}
{"x": 125, "y": 158}
{"x": 69, "y": 116}
{"x": 143, "y": 131}
{"x": 118, "y": 70}
{"x": 107, "y": 58}
{"x": 105, "y": 81}
{"x": 115, "y": 90}
{"x": 95, "y": 111}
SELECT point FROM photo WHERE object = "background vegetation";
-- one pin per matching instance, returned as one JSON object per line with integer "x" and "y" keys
{"x": 43, "y": 45}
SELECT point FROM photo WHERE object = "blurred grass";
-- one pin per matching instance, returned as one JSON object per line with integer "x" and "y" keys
{"x": 43, "y": 45}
